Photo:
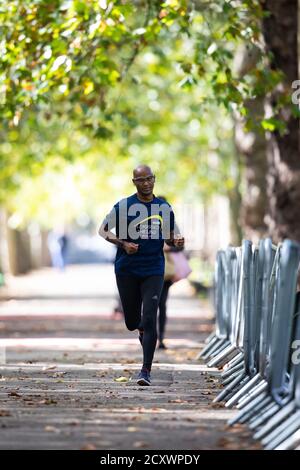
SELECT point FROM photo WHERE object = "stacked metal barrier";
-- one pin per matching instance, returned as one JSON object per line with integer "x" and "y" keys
{"x": 256, "y": 342}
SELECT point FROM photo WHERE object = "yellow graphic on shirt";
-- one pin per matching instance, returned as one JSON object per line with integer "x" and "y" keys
{"x": 159, "y": 217}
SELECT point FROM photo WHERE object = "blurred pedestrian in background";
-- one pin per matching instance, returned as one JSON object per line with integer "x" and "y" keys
{"x": 176, "y": 268}
{"x": 58, "y": 245}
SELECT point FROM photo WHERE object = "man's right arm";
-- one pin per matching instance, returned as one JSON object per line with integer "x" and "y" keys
{"x": 110, "y": 222}
{"x": 110, "y": 236}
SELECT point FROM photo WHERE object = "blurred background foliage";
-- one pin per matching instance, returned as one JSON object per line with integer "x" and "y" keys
{"x": 89, "y": 89}
{"x": 106, "y": 85}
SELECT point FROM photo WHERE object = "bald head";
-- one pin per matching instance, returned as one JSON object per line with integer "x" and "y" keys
{"x": 142, "y": 170}
{"x": 144, "y": 179}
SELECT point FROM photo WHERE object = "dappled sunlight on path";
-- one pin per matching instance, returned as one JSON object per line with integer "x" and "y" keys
{"x": 68, "y": 379}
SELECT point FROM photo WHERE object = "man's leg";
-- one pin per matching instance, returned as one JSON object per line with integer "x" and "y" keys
{"x": 162, "y": 317}
{"x": 131, "y": 299}
{"x": 151, "y": 290}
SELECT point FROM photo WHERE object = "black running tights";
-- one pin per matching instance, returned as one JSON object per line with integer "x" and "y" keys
{"x": 140, "y": 299}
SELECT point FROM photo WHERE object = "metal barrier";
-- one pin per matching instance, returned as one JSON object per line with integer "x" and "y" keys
{"x": 256, "y": 338}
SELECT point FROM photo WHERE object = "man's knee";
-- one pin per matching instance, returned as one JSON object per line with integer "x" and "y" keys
{"x": 150, "y": 322}
{"x": 131, "y": 326}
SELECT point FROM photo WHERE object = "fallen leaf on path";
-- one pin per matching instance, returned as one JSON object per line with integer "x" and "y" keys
{"x": 5, "y": 413}
{"x": 132, "y": 429}
{"x": 215, "y": 406}
{"x": 59, "y": 374}
{"x": 237, "y": 428}
{"x": 51, "y": 429}
{"x": 121, "y": 379}
{"x": 30, "y": 397}
{"x": 14, "y": 394}
{"x": 135, "y": 418}
{"x": 49, "y": 368}
{"x": 48, "y": 401}
{"x": 224, "y": 443}
{"x": 208, "y": 379}
{"x": 88, "y": 447}
{"x": 156, "y": 408}
{"x": 177, "y": 400}
{"x": 100, "y": 374}
{"x": 140, "y": 444}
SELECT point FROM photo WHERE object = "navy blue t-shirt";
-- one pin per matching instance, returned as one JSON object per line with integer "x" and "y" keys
{"x": 144, "y": 223}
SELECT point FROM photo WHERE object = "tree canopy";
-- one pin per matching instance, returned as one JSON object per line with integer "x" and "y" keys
{"x": 110, "y": 83}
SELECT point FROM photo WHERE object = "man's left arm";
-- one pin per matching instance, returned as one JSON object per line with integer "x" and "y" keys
{"x": 175, "y": 239}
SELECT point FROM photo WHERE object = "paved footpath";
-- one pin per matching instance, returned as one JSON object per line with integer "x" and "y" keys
{"x": 68, "y": 369}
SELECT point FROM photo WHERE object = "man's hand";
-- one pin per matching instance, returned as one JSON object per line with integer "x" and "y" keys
{"x": 130, "y": 247}
{"x": 179, "y": 242}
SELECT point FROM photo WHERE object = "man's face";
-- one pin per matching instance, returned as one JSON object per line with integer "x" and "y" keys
{"x": 144, "y": 181}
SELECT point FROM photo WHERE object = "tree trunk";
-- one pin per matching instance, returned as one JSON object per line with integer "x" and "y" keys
{"x": 45, "y": 255}
{"x": 252, "y": 147}
{"x": 235, "y": 201}
{"x": 298, "y": 38}
{"x": 2, "y": 247}
{"x": 280, "y": 30}
{"x": 18, "y": 251}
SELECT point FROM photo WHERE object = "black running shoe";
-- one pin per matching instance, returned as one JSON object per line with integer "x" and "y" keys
{"x": 144, "y": 378}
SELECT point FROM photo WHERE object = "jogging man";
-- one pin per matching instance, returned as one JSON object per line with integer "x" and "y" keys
{"x": 142, "y": 223}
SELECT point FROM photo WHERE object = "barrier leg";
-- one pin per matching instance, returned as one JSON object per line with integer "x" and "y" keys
{"x": 233, "y": 376}
{"x": 236, "y": 397}
{"x": 248, "y": 408}
{"x": 210, "y": 337}
{"x": 208, "y": 346}
{"x": 285, "y": 430}
{"x": 232, "y": 370}
{"x": 279, "y": 429}
{"x": 219, "y": 359}
{"x": 256, "y": 408}
{"x": 229, "y": 387}
{"x": 290, "y": 443}
{"x": 264, "y": 416}
{"x": 216, "y": 348}
{"x": 281, "y": 415}
{"x": 233, "y": 362}
{"x": 260, "y": 387}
